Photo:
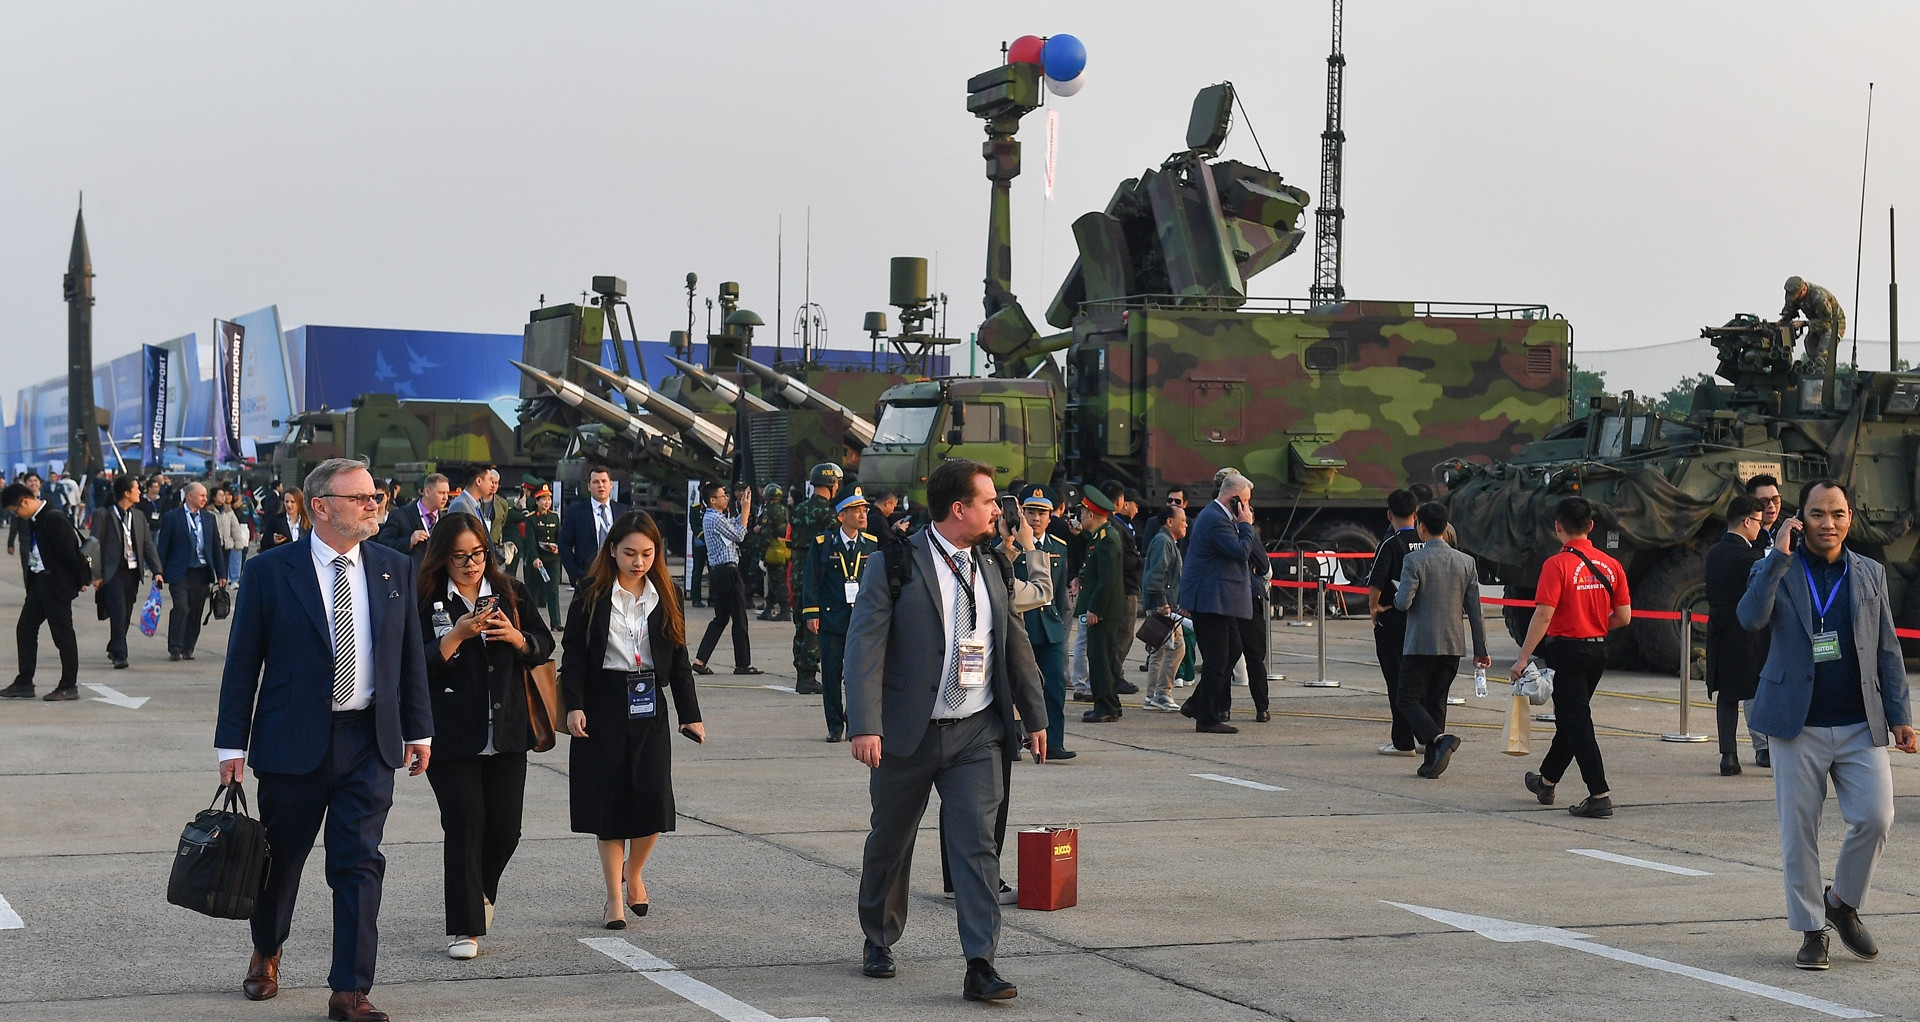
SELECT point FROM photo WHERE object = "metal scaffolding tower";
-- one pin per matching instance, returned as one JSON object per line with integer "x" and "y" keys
{"x": 1327, "y": 220}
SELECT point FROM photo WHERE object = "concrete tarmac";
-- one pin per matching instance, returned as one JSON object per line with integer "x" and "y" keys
{"x": 1198, "y": 899}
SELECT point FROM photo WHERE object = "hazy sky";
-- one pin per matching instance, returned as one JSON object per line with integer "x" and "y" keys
{"x": 1643, "y": 168}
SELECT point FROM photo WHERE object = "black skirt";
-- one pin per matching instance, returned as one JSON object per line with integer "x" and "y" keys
{"x": 621, "y": 774}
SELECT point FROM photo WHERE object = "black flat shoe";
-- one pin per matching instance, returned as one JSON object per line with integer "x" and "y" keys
{"x": 702, "y": 669}
{"x": 119, "y": 665}
{"x": 833, "y": 736}
{"x": 1222, "y": 728}
{"x": 1096, "y": 717}
{"x": 878, "y": 962}
{"x": 1054, "y": 754}
{"x": 1763, "y": 760}
{"x": 1729, "y": 764}
{"x": 984, "y": 984}
{"x": 65, "y": 693}
{"x": 1262, "y": 717}
{"x": 17, "y": 691}
{"x": 748, "y": 670}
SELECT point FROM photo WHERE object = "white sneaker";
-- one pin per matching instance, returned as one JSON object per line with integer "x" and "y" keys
{"x": 1008, "y": 896}
{"x": 463, "y": 948}
{"x": 1389, "y": 750}
{"x": 1160, "y": 703}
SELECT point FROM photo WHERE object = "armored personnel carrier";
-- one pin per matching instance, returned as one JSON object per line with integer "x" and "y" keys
{"x": 1660, "y": 485}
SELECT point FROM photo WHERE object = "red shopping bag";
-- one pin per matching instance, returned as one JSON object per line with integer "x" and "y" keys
{"x": 1049, "y": 868}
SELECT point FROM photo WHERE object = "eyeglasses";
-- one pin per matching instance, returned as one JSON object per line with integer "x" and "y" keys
{"x": 362, "y": 499}
{"x": 1768, "y": 501}
{"x": 462, "y": 560}
{"x": 1752, "y": 520}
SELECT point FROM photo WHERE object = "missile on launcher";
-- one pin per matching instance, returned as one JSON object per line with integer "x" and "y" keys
{"x": 641, "y": 434}
{"x": 727, "y": 390}
{"x": 799, "y": 395}
{"x": 708, "y": 435}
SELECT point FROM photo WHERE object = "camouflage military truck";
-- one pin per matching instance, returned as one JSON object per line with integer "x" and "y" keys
{"x": 1660, "y": 485}
{"x": 402, "y": 440}
{"x": 1172, "y": 372}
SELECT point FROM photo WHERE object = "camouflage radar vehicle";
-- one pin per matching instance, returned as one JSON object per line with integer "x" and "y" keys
{"x": 1660, "y": 485}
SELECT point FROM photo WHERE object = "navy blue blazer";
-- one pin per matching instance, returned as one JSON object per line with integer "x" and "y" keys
{"x": 1786, "y": 681}
{"x": 281, "y": 650}
{"x": 175, "y": 544}
{"x": 1215, "y": 579}
{"x": 577, "y": 531}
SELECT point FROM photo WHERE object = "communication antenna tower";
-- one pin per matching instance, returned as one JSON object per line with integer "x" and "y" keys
{"x": 1327, "y": 288}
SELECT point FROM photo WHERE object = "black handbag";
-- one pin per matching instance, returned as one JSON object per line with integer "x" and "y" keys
{"x": 1157, "y": 628}
{"x": 219, "y": 606}
{"x": 223, "y": 859}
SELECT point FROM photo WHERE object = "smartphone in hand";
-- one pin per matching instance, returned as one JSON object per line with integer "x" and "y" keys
{"x": 687, "y": 733}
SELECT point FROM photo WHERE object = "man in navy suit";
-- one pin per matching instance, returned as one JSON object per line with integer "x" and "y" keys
{"x": 326, "y": 688}
{"x": 585, "y": 526}
{"x": 1216, "y": 588}
{"x": 1833, "y": 687}
{"x": 190, "y": 555}
{"x": 409, "y": 525}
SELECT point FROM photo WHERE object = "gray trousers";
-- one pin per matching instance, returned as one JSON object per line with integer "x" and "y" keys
{"x": 1863, "y": 780}
{"x": 1077, "y": 654}
{"x": 1164, "y": 663}
{"x": 962, "y": 760}
{"x": 1746, "y": 713}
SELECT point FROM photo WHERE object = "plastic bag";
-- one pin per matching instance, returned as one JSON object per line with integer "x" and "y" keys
{"x": 1536, "y": 683}
{"x": 150, "y": 612}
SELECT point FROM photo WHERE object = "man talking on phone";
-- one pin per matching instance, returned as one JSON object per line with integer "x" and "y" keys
{"x": 1216, "y": 587}
{"x": 1832, "y": 693}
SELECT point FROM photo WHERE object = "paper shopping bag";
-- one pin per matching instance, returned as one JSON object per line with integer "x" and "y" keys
{"x": 1519, "y": 727}
{"x": 1049, "y": 868}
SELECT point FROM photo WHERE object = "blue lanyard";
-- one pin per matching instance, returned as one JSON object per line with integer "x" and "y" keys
{"x": 1820, "y": 606}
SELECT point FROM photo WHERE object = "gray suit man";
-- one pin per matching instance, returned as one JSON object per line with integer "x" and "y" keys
{"x": 939, "y": 685}
{"x": 1438, "y": 585}
{"x": 1833, "y": 687}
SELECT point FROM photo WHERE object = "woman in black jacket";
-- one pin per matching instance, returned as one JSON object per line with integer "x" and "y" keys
{"x": 626, "y": 639}
{"x": 482, "y": 731}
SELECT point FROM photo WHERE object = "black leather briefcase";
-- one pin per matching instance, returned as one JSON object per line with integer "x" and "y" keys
{"x": 223, "y": 859}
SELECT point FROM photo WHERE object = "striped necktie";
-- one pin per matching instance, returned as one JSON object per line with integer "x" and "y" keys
{"x": 343, "y": 644}
{"x": 951, "y": 694}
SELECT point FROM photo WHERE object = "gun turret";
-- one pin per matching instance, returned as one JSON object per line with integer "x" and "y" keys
{"x": 728, "y": 391}
{"x": 640, "y": 396}
{"x": 799, "y": 395}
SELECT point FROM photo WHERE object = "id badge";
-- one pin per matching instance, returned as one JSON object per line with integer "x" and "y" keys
{"x": 973, "y": 663}
{"x": 1826, "y": 647}
{"x": 640, "y": 695}
{"x": 852, "y": 590}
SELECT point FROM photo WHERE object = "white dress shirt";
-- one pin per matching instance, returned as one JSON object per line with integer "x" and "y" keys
{"x": 976, "y": 699}
{"x": 627, "y": 628}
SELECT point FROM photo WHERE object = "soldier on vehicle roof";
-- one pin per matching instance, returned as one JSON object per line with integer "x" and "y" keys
{"x": 1826, "y": 321}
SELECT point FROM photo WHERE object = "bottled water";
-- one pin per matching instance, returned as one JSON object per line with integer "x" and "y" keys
{"x": 442, "y": 622}
{"x": 1480, "y": 683}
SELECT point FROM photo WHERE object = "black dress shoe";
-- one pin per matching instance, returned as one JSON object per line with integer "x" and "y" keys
{"x": 189, "y": 656}
{"x": 17, "y": 691}
{"x": 1853, "y": 933}
{"x": 1126, "y": 688}
{"x": 1186, "y": 708}
{"x": 1540, "y": 788}
{"x": 1763, "y": 760}
{"x": 1598, "y": 807}
{"x": 119, "y": 665}
{"x": 65, "y": 693}
{"x": 878, "y": 963}
{"x": 833, "y": 736}
{"x": 1813, "y": 952}
{"x": 1729, "y": 764}
{"x": 174, "y": 656}
{"x": 1096, "y": 717}
{"x": 1439, "y": 754}
{"x": 748, "y": 670}
{"x": 1053, "y": 754}
{"x": 1262, "y": 717}
{"x": 1217, "y": 729}
{"x": 1083, "y": 697}
{"x": 984, "y": 984}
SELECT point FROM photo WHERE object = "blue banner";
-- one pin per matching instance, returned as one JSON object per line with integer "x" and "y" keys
{"x": 229, "y": 344}
{"x": 153, "y": 422}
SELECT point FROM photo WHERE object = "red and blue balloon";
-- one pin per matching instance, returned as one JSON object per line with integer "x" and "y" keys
{"x": 1062, "y": 59}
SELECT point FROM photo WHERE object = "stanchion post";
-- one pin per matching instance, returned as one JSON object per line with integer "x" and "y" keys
{"x": 1272, "y": 675}
{"x": 1299, "y": 591}
{"x": 1321, "y": 680}
{"x": 1686, "y": 683}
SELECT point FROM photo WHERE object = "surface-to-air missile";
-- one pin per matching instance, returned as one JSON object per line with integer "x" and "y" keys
{"x": 1660, "y": 484}
{"x": 725, "y": 389}
{"x": 711, "y": 437}
{"x": 83, "y": 430}
{"x": 643, "y": 437}
{"x": 783, "y": 387}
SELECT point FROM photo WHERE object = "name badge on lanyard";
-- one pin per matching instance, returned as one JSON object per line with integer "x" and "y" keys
{"x": 852, "y": 591}
{"x": 1826, "y": 644}
{"x": 972, "y": 654}
{"x": 641, "y": 694}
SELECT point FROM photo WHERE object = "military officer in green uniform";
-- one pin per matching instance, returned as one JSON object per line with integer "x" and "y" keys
{"x": 812, "y": 519}
{"x": 1826, "y": 321}
{"x": 833, "y": 566}
{"x": 1102, "y": 597}
{"x": 776, "y": 551}
{"x": 1047, "y": 626}
{"x": 539, "y": 542}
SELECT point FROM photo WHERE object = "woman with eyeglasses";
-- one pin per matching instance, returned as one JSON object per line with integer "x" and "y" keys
{"x": 482, "y": 731}
{"x": 626, "y": 642}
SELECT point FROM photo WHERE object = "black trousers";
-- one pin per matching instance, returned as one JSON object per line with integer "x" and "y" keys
{"x": 729, "y": 607}
{"x": 1219, "y": 639}
{"x": 122, "y": 595}
{"x": 833, "y": 673}
{"x": 481, "y": 798}
{"x": 1726, "y": 713}
{"x": 699, "y": 573}
{"x": 1253, "y": 647}
{"x": 1106, "y": 644}
{"x": 43, "y": 606}
{"x": 1424, "y": 680}
{"x": 1389, "y": 638}
{"x": 1577, "y": 667}
{"x": 351, "y": 791}
{"x": 189, "y": 606}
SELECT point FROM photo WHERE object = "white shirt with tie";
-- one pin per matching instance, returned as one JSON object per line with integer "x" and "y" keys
{"x": 976, "y": 699}
{"x": 602, "y": 522}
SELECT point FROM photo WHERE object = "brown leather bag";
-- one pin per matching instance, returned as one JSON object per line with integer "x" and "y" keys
{"x": 543, "y": 704}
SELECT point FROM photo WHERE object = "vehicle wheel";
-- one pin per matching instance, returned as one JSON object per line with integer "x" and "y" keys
{"x": 1348, "y": 537}
{"x": 1677, "y": 583}
{"x": 1517, "y": 618}
{"x": 1908, "y": 616}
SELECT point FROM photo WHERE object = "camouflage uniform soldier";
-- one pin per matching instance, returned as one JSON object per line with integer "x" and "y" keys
{"x": 753, "y": 574}
{"x": 1826, "y": 321}
{"x": 812, "y": 519}
{"x": 776, "y": 551}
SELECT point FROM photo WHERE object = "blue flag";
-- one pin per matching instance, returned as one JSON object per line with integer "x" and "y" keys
{"x": 153, "y": 423}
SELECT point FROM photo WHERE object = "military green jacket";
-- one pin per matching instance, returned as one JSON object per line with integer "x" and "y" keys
{"x": 812, "y": 518}
{"x": 1820, "y": 309}
{"x": 773, "y": 525}
{"x": 542, "y": 530}
{"x": 1103, "y": 588}
{"x": 830, "y": 565}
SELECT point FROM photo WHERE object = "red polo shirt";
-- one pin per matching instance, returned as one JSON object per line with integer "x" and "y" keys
{"x": 1581, "y": 604}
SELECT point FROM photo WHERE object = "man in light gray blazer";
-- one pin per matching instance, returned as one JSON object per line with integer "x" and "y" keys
{"x": 1832, "y": 689}
{"x": 940, "y": 682}
{"x": 1438, "y": 585}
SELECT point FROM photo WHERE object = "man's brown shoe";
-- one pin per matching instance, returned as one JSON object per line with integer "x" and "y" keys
{"x": 263, "y": 977}
{"x": 353, "y": 1006}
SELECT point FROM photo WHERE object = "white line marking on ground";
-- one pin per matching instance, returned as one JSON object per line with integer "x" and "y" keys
{"x": 664, "y": 974}
{"x": 1628, "y": 860}
{"x": 1507, "y": 931}
{"x": 788, "y": 689}
{"x": 115, "y": 697}
{"x": 1224, "y": 779}
{"x": 9, "y": 919}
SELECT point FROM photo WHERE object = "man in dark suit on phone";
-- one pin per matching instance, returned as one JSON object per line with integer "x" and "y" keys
{"x": 584, "y": 527}
{"x": 55, "y": 572}
{"x": 326, "y": 689}
{"x": 934, "y": 680}
{"x": 1216, "y": 588}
